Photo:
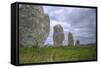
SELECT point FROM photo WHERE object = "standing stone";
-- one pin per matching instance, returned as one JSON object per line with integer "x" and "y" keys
{"x": 70, "y": 39}
{"x": 58, "y": 35}
{"x": 34, "y": 25}
{"x": 77, "y": 43}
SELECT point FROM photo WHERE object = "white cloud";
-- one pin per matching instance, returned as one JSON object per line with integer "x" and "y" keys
{"x": 80, "y": 21}
{"x": 63, "y": 24}
{"x": 58, "y": 11}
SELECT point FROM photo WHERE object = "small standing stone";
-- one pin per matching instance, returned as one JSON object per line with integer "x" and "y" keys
{"x": 58, "y": 35}
{"x": 70, "y": 39}
{"x": 77, "y": 43}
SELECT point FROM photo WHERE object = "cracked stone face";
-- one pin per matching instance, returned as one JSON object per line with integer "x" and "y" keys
{"x": 70, "y": 39}
{"x": 58, "y": 35}
{"x": 34, "y": 25}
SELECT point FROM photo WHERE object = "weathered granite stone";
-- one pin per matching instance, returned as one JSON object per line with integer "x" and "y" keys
{"x": 77, "y": 43}
{"x": 34, "y": 25}
{"x": 70, "y": 39}
{"x": 58, "y": 35}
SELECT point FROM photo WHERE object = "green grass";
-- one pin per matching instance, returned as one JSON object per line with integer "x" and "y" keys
{"x": 54, "y": 54}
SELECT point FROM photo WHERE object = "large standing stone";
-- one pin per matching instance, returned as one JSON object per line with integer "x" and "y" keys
{"x": 58, "y": 35}
{"x": 34, "y": 25}
{"x": 77, "y": 43}
{"x": 70, "y": 39}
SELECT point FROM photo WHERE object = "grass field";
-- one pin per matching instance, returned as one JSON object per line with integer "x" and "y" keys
{"x": 55, "y": 54}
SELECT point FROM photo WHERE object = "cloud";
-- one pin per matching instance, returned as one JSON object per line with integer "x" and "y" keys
{"x": 80, "y": 21}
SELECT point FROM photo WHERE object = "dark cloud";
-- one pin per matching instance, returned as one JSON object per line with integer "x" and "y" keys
{"x": 80, "y": 21}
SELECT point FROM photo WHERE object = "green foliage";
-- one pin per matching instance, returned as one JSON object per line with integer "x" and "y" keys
{"x": 52, "y": 54}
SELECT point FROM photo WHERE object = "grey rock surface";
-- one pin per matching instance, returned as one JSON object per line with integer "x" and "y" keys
{"x": 70, "y": 39}
{"x": 77, "y": 43}
{"x": 34, "y": 25}
{"x": 58, "y": 35}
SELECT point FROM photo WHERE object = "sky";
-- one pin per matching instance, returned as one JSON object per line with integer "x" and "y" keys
{"x": 81, "y": 22}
